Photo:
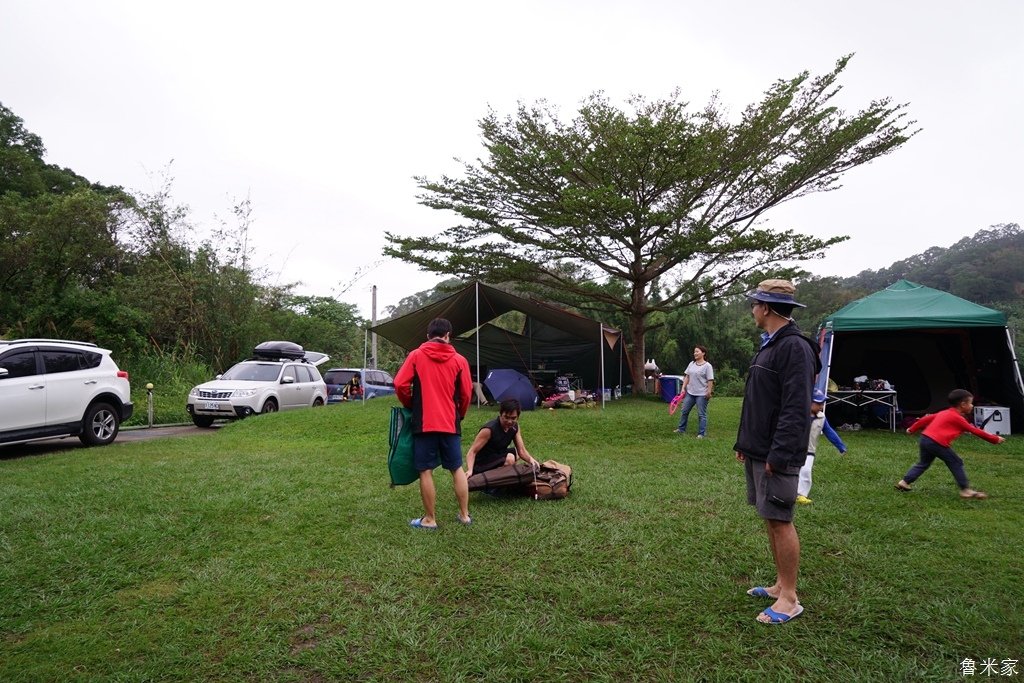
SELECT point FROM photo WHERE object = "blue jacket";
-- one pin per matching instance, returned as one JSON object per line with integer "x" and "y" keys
{"x": 775, "y": 421}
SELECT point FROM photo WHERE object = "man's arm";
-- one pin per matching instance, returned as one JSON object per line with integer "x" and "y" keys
{"x": 464, "y": 388}
{"x": 403, "y": 381}
{"x": 521, "y": 449}
{"x": 482, "y": 437}
{"x": 797, "y": 379}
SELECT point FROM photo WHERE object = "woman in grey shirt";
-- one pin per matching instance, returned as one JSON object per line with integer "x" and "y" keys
{"x": 698, "y": 385}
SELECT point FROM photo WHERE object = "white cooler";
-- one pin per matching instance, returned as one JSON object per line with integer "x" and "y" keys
{"x": 996, "y": 419}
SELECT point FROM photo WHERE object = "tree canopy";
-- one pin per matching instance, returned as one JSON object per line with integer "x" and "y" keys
{"x": 650, "y": 210}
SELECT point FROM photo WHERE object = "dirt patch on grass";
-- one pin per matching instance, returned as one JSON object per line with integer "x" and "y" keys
{"x": 307, "y": 636}
{"x": 304, "y": 675}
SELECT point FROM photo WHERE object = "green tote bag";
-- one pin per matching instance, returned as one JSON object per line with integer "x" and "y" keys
{"x": 400, "y": 465}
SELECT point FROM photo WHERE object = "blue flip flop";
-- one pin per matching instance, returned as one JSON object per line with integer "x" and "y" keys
{"x": 418, "y": 524}
{"x": 760, "y": 592}
{"x": 778, "y": 617}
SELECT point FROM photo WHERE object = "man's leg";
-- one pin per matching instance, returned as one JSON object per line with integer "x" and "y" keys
{"x": 785, "y": 545}
{"x": 429, "y": 495}
{"x": 776, "y": 587}
{"x": 461, "y": 492}
{"x": 451, "y": 459}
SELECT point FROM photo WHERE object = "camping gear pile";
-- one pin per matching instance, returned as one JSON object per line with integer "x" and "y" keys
{"x": 582, "y": 400}
{"x": 551, "y": 481}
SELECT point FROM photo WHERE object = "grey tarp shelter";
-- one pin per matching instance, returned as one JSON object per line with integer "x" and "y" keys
{"x": 925, "y": 342}
{"x": 552, "y": 339}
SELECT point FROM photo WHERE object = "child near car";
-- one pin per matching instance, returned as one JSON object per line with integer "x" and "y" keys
{"x": 939, "y": 431}
{"x": 353, "y": 390}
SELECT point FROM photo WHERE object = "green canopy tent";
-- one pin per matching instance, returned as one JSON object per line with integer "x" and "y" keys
{"x": 925, "y": 342}
{"x": 551, "y": 339}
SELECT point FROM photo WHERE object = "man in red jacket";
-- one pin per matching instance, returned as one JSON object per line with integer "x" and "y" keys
{"x": 434, "y": 382}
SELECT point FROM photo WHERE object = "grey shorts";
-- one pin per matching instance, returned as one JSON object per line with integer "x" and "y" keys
{"x": 774, "y": 497}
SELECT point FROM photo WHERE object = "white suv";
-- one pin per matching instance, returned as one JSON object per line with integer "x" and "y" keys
{"x": 55, "y": 388}
{"x": 281, "y": 376}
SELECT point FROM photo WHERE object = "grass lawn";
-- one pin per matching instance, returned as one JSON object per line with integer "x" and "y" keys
{"x": 274, "y": 550}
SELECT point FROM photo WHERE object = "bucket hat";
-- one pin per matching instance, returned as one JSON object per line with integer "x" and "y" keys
{"x": 775, "y": 292}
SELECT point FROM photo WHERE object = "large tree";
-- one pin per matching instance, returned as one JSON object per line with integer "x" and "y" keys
{"x": 662, "y": 203}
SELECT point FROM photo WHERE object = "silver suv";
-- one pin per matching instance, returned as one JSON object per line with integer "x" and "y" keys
{"x": 280, "y": 376}
{"x": 56, "y": 388}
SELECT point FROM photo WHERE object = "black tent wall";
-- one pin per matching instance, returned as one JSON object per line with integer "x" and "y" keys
{"x": 552, "y": 337}
{"x": 925, "y": 364}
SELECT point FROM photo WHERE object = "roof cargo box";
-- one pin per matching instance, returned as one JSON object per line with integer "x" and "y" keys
{"x": 279, "y": 349}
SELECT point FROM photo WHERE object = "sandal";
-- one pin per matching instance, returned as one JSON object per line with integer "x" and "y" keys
{"x": 900, "y": 486}
{"x": 418, "y": 524}
{"x": 977, "y": 495}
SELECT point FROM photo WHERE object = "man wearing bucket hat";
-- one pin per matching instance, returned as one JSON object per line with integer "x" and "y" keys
{"x": 775, "y": 425}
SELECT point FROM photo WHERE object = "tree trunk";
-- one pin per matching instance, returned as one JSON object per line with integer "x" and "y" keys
{"x": 637, "y": 351}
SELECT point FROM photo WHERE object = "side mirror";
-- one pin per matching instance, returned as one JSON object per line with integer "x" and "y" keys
{"x": 288, "y": 380}
{"x": 3, "y": 373}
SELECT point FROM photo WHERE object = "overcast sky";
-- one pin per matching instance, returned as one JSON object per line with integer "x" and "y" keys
{"x": 322, "y": 112}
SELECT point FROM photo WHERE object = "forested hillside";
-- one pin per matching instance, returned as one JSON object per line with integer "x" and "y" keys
{"x": 132, "y": 272}
{"x": 987, "y": 269}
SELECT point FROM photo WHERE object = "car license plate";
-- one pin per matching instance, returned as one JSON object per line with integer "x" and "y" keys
{"x": 210, "y": 406}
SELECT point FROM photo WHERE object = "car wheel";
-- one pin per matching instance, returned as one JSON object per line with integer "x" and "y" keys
{"x": 203, "y": 421}
{"x": 100, "y": 425}
{"x": 270, "y": 406}
{"x": 318, "y": 402}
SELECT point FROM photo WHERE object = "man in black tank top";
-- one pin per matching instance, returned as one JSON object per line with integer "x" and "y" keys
{"x": 499, "y": 442}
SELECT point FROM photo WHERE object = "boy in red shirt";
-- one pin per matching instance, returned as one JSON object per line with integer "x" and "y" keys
{"x": 940, "y": 430}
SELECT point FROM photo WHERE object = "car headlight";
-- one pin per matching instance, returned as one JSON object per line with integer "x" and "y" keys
{"x": 243, "y": 393}
{"x": 194, "y": 393}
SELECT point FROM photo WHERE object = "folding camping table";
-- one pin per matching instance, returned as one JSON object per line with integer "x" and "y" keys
{"x": 860, "y": 399}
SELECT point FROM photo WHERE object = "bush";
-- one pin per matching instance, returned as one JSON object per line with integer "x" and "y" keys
{"x": 172, "y": 375}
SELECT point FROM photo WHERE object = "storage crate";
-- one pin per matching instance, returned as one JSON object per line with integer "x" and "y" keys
{"x": 993, "y": 419}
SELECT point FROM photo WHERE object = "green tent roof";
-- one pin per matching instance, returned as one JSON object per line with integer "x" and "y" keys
{"x": 906, "y": 305}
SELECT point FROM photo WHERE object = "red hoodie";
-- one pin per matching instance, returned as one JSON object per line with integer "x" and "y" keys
{"x": 434, "y": 382}
{"x": 946, "y": 425}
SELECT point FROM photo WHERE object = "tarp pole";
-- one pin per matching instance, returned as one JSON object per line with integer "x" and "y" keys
{"x": 621, "y": 388}
{"x": 529, "y": 340}
{"x": 479, "y": 379}
{"x": 600, "y": 344}
{"x": 1016, "y": 365}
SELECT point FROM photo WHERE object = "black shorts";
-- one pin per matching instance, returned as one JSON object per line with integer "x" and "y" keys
{"x": 774, "y": 497}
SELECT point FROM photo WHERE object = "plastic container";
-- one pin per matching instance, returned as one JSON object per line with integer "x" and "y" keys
{"x": 993, "y": 419}
{"x": 670, "y": 386}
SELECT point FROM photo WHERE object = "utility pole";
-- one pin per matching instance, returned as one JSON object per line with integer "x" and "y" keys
{"x": 373, "y": 335}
